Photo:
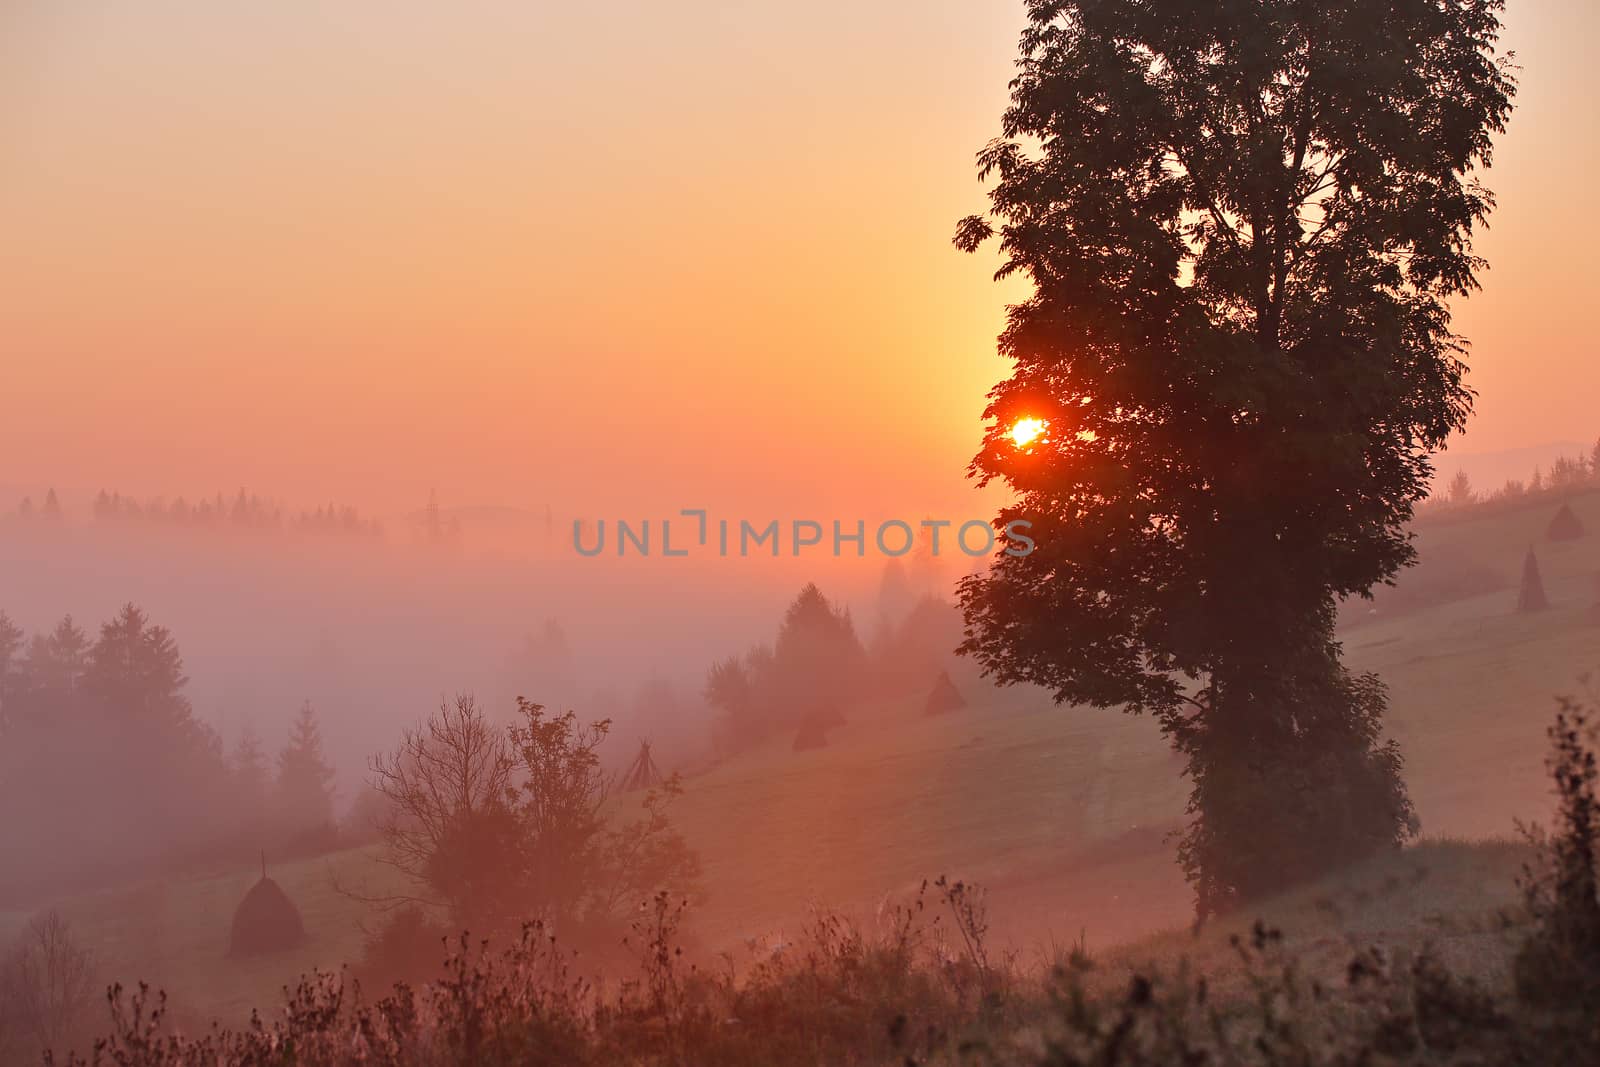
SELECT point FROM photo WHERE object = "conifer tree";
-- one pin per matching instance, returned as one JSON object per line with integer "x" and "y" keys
{"x": 729, "y": 690}
{"x": 134, "y": 674}
{"x": 305, "y": 781}
{"x": 11, "y": 637}
{"x": 251, "y": 779}
{"x": 55, "y": 669}
{"x": 817, "y": 659}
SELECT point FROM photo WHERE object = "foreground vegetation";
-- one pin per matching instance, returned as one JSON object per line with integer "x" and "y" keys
{"x": 921, "y": 982}
{"x": 1060, "y": 813}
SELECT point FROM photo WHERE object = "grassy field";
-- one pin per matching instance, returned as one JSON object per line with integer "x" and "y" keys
{"x": 1060, "y": 812}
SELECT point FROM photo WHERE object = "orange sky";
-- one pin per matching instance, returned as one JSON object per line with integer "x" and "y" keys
{"x": 616, "y": 257}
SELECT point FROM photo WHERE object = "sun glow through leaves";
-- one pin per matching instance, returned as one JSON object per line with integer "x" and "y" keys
{"x": 1025, "y": 431}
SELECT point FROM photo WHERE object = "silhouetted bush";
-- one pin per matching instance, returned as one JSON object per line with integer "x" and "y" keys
{"x": 493, "y": 824}
{"x": 1559, "y": 963}
{"x": 404, "y": 948}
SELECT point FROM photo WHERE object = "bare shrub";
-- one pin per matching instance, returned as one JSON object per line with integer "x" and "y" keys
{"x": 972, "y": 971}
{"x": 448, "y": 824}
{"x": 46, "y": 984}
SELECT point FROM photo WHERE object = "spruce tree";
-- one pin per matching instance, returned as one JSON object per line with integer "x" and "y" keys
{"x": 305, "y": 781}
{"x": 817, "y": 659}
{"x": 11, "y": 637}
{"x": 54, "y": 672}
{"x": 247, "y": 764}
{"x": 134, "y": 675}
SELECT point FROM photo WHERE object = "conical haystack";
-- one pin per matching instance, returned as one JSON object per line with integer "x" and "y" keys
{"x": 265, "y": 921}
{"x": 945, "y": 697}
{"x": 643, "y": 774}
{"x": 813, "y": 734}
{"x": 1530, "y": 597}
{"x": 1565, "y": 526}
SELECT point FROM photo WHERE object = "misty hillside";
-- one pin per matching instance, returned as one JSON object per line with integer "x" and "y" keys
{"x": 1060, "y": 812}
{"x": 1031, "y": 534}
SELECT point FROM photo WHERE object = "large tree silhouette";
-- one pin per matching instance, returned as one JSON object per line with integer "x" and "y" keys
{"x": 1242, "y": 221}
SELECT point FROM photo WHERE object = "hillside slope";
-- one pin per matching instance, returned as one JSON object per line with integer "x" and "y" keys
{"x": 1061, "y": 812}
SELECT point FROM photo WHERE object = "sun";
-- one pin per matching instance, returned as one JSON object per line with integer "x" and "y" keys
{"x": 1025, "y": 431}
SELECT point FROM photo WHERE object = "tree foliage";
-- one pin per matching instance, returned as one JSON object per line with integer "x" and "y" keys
{"x": 817, "y": 657}
{"x": 816, "y": 665}
{"x": 248, "y": 765}
{"x": 1559, "y": 962}
{"x": 11, "y": 642}
{"x": 1242, "y": 221}
{"x": 500, "y": 825}
{"x": 134, "y": 674}
{"x": 305, "y": 780}
{"x": 99, "y": 734}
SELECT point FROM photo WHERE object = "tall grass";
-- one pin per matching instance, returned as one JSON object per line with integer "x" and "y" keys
{"x": 920, "y": 983}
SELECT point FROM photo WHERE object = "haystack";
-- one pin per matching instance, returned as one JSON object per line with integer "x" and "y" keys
{"x": 813, "y": 734}
{"x": 643, "y": 774}
{"x": 265, "y": 921}
{"x": 945, "y": 697}
{"x": 1530, "y": 597}
{"x": 1565, "y": 526}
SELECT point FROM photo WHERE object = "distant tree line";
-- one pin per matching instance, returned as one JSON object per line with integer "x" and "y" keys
{"x": 106, "y": 770}
{"x": 246, "y": 511}
{"x": 1567, "y": 474}
{"x": 49, "y": 511}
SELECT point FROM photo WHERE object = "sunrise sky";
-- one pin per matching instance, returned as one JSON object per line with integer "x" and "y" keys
{"x": 613, "y": 257}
